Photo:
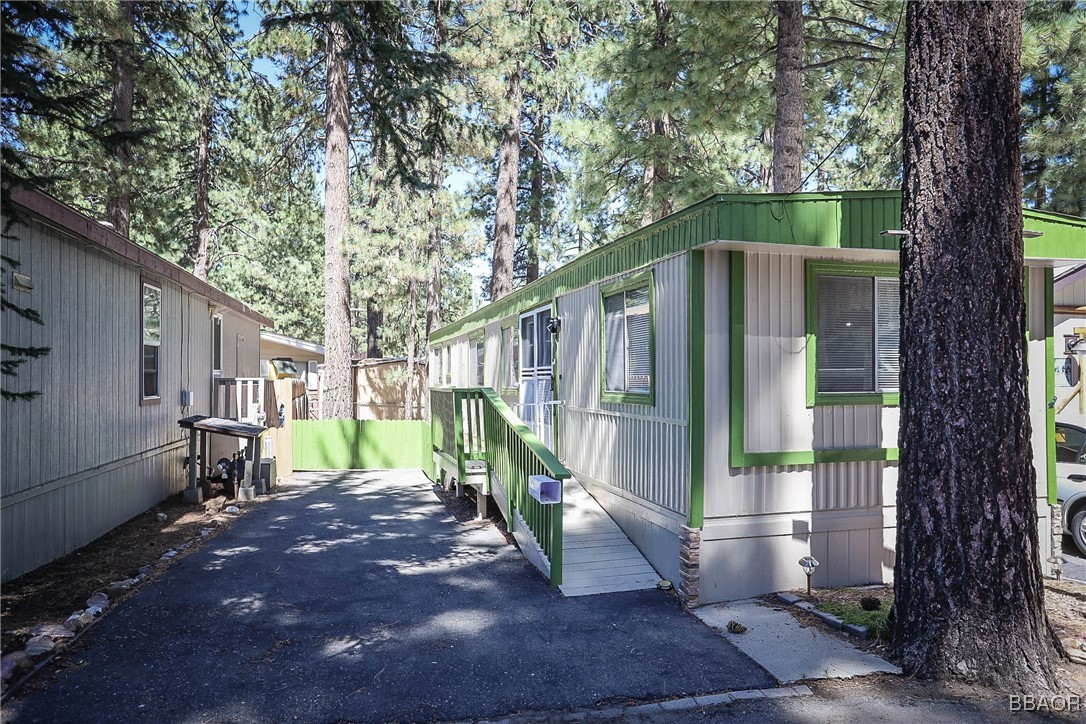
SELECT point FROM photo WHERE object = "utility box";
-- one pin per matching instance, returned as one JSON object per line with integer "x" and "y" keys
{"x": 545, "y": 489}
{"x": 267, "y": 473}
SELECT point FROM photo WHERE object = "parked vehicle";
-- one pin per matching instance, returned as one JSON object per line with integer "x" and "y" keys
{"x": 1071, "y": 480}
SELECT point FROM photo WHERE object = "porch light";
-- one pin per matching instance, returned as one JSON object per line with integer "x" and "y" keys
{"x": 1057, "y": 565}
{"x": 554, "y": 325}
{"x": 808, "y": 564}
{"x": 895, "y": 232}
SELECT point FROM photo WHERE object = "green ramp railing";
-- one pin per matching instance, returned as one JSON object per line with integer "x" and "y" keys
{"x": 476, "y": 424}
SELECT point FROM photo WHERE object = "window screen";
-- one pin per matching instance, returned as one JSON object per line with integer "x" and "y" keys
{"x": 152, "y": 340}
{"x": 527, "y": 345}
{"x": 216, "y": 343}
{"x": 614, "y": 340}
{"x": 477, "y": 361}
{"x": 859, "y": 323}
{"x": 887, "y": 332}
{"x": 627, "y": 341}
{"x": 543, "y": 358}
{"x": 638, "y": 347}
{"x": 510, "y": 358}
{"x": 845, "y": 334}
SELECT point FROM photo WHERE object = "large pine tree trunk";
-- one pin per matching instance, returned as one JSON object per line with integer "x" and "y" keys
{"x": 437, "y": 179}
{"x": 202, "y": 225}
{"x": 967, "y": 580}
{"x": 535, "y": 208}
{"x": 657, "y": 202}
{"x": 505, "y": 221}
{"x": 338, "y": 386}
{"x": 788, "y": 125}
{"x": 374, "y": 319}
{"x": 119, "y": 202}
{"x": 412, "y": 346}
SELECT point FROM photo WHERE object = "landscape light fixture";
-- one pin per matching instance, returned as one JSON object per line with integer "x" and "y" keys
{"x": 1057, "y": 565}
{"x": 809, "y": 564}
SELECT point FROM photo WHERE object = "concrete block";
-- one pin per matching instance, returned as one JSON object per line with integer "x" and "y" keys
{"x": 713, "y": 699}
{"x": 751, "y": 694}
{"x": 830, "y": 619}
{"x": 853, "y": 630}
{"x": 246, "y": 492}
{"x": 194, "y": 496}
{"x": 679, "y": 704}
{"x": 789, "y": 598}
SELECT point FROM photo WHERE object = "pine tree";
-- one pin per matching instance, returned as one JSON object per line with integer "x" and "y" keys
{"x": 968, "y": 592}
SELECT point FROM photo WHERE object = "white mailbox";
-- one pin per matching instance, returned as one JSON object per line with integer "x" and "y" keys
{"x": 545, "y": 489}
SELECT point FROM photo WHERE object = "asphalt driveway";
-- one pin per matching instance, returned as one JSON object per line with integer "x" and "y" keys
{"x": 356, "y": 596}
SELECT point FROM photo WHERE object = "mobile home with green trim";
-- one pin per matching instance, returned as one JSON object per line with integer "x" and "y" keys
{"x": 723, "y": 383}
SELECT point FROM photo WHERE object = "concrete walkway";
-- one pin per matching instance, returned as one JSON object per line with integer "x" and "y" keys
{"x": 788, "y": 650}
{"x": 356, "y": 596}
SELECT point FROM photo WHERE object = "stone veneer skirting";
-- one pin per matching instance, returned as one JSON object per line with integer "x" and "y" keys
{"x": 690, "y": 566}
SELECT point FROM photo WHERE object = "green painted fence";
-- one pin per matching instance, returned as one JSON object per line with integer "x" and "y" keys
{"x": 362, "y": 445}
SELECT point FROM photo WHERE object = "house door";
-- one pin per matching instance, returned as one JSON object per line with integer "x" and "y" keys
{"x": 537, "y": 375}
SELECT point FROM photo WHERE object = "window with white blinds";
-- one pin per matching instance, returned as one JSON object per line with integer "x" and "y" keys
{"x": 627, "y": 341}
{"x": 858, "y": 328}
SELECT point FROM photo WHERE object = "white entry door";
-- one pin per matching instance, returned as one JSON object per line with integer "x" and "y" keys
{"x": 537, "y": 375}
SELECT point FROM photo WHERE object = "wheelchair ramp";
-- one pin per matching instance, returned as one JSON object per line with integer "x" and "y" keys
{"x": 597, "y": 557}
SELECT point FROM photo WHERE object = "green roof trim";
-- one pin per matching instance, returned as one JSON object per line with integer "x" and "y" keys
{"x": 837, "y": 220}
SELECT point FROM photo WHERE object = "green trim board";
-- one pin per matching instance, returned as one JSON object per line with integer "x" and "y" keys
{"x": 852, "y": 269}
{"x": 1050, "y": 385}
{"x": 362, "y": 445}
{"x": 738, "y": 457}
{"x": 644, "y": 279}
{"x": 695, "y": 356}
{"x": 841, "y": 220}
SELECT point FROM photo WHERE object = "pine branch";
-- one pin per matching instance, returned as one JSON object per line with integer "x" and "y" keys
{"x": 843, "y": 59}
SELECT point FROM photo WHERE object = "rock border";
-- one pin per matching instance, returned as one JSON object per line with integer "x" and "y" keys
{"x": 791, "y": 599}
{"x": 48, "y": 640}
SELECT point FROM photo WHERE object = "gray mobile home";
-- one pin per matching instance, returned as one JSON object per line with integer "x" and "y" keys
{"x": 723, "y": 382}
{"x": 137, "y": 343}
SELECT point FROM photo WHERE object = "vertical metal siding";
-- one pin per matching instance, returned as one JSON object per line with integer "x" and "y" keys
{"x": 85, "y": 456}
{"x": 641, "y": 450}
{"x": 776, "y": 362}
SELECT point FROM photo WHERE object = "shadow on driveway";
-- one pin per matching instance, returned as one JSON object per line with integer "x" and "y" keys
{"x": 357, "y": 596}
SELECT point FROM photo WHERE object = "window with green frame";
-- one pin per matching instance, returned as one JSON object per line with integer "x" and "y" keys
{"x": 853, "y": 333}
{"x": 627, "y": 340}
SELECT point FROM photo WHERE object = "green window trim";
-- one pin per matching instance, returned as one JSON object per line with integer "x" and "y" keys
{"x": 1050, "y": 383}
{"x": 738, "y": 457}
{"x": 844, "y": 269}
{"x": 695, "y": 348}
{"x": 643, "y": 279}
